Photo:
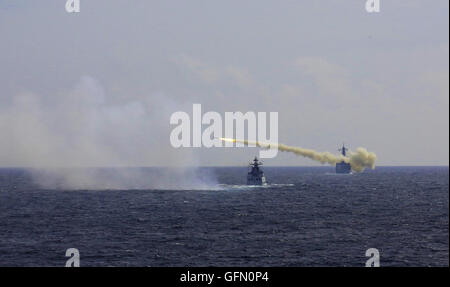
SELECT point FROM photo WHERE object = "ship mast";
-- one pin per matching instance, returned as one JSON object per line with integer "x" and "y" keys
{"x": 343, "y": 150}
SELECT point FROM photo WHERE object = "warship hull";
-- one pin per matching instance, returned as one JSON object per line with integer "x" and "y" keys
{"x": 343, "y": 168}
{"x": 256, "y": 180}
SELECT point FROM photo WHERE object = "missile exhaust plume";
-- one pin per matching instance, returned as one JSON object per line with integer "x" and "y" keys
{"x": 358, "y": 160}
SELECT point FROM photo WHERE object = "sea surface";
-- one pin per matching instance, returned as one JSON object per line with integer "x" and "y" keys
{"x": 307, "y": 216}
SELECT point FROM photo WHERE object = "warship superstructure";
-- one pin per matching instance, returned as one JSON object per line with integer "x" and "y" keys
{"x": 255, "y": 174}
{"x": 343, "y": 167}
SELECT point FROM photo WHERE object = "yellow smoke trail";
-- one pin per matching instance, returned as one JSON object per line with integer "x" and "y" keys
{"x": 358, "y": 160}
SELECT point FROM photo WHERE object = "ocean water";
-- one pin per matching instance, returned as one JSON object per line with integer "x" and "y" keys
{"x": 305, "y": 217}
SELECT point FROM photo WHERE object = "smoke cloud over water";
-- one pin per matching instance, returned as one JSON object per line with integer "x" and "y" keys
{"x": 123, "y": 178}
{"x": 64, "y": 139}
{"x": 359, "y": 160}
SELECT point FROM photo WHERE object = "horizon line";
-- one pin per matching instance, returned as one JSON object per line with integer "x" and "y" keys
{"x": 201, "y": 166}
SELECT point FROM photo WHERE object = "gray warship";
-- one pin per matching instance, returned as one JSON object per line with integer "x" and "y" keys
{"x": 343, "y": 167}
{"x": 255, "y": 174}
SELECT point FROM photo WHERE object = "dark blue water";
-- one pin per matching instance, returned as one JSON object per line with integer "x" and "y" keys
{"x": 308, "y": 217}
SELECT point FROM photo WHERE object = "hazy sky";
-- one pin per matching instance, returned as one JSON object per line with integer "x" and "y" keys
{"x": 97, "y": 88}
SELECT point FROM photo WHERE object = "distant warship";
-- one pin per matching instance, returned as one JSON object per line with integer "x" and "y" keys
{"x": 255, "y": 174}
{"x": 343, "y": 167}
